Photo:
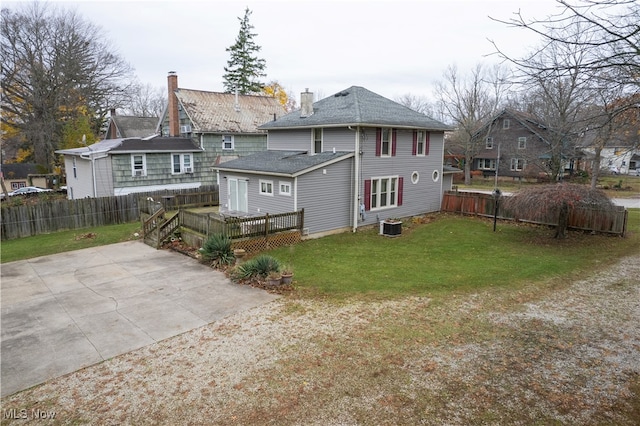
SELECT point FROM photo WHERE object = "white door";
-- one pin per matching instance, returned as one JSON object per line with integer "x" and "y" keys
{"x": 238, "y": 195}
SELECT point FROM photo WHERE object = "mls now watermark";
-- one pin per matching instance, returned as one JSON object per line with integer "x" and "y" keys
{"x": 24, "y": 414}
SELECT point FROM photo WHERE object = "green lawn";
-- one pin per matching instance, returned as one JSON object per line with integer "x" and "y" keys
{"x": 451, "y": 254}
{"x": 58, "y": 242}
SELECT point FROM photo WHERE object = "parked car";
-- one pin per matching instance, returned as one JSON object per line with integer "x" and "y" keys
{"x": 26, "y": 191}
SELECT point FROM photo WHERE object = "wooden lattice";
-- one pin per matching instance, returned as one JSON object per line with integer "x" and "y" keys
{"x": 256, "y": 245}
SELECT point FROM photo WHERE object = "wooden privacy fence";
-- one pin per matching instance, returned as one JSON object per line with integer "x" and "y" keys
{"x": 252, "y": 234}
{"x": 582, "y": 218}
{"x": 48, "y": 216}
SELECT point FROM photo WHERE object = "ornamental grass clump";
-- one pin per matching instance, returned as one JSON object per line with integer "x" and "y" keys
{"x": 217, "y": 249}
{"x": 258, "y": 267}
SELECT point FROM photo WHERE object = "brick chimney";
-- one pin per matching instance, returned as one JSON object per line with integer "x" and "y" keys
{"x": 306, "y": 104}
{"x": 174, "y": 117}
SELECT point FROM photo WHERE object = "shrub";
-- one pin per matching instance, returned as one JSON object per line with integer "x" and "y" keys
{"x": 259, "y": 266}
{"x": 218, "y": 249}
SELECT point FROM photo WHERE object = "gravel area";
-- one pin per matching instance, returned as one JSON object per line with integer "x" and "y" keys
{"x": 567, "y": 354}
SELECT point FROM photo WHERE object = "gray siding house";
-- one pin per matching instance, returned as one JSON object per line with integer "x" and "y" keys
{"x": 123, "y": 166}
{"x": 224, "y": 125}
{"x": 351, "y": 159}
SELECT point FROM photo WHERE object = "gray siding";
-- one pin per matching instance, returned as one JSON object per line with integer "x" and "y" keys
{"x": 259, "y": 204}
{"x": 327, "y": 197}
{"x": 324, "y": 194}
{"x": 158, "y": 171}
{"x": 299, "y": 139}
{"x": 342, "y": 139}
{"x": 104, "y": 177}
{"x": 421, "y": 197}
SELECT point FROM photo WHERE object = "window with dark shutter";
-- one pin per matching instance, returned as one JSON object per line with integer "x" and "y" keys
{"x": 414, "y": 149}
{"x": 400, "y": 188}
{"x": 378, "y": 142}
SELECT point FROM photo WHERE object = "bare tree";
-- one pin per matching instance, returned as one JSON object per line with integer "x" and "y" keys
{"x": 468, "y": 101}
{"x": 586, "y": 65}
{"x": 417, "y": 103}
{"x": 555, "y": 200}
{"x": 55, "y": 68}
{"x": 145, "y": 100}
{"x": 607, "y": 30}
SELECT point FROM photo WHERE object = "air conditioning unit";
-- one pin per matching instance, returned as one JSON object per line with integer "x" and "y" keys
{"x": 188, "y": 170}
{"x": 138, "y": 172}
{"x": 185, "y": 129}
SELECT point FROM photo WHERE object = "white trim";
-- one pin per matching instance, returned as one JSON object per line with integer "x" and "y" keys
{"x": 288, "y": 185}
{"x": 233, "y": 143}
{"x": 267, "y": 182}
{"x": 151, "y": 188}
{"x": 391, "y": 203}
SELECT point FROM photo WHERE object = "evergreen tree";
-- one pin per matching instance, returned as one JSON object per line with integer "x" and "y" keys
{"x": 244, "y": 69}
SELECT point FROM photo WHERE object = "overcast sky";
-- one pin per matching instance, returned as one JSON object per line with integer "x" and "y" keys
{"x": 389, "y": 47}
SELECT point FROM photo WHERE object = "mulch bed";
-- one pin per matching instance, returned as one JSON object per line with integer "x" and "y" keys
{"x": 185, "y": 249}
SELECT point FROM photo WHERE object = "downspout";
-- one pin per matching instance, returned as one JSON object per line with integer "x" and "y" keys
{"x": 295, "y": 191}
{"x": 356, "y": 182}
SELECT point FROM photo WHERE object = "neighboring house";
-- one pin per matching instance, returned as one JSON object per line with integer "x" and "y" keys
{"x": 123, "y": 166}
{"x": 523, "y": 143}
{"x": 19, "y": 175}
{"x": 621, "y": 155}
{"x": 123, "y": 126}
{"x": 351, "y": 159}
{"x": 224, "y": 125}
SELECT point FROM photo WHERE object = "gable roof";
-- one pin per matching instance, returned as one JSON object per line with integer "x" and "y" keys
{"x": 529, "y": 121}
{"x": 357, "y": 106}
{"x": 213, "y": 112}
{"x": 132, "y": 127}
{"x": 129, "y": 145}
{"x": 283, "y": 163}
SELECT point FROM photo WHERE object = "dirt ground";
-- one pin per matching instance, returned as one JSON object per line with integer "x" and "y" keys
{"x": 556, "y": 353}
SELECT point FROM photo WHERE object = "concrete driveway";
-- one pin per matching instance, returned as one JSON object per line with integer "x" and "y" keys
{"x": 64, "y": 312}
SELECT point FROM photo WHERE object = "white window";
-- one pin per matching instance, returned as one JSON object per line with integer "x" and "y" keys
{"x": 522, "y": 142}
{"x": 181, "y": 163}
{"x": 384, "y": 192}
{"x": 486, "y": 164}
{"x": 317, "y": 141}
{"x": 421, "y": 142}
{"x": 489, "y": 143}
{"x": 138, "y": 165}
{"x": 385, "y": 142}
{"x": 517, "y": 164}
{"x": 506, "y": 123}
{"x": 227, "y": 142}
{"x": 266, "y": 187}
{"x": 75, "y": 168}
{"x": 285, "y": 188}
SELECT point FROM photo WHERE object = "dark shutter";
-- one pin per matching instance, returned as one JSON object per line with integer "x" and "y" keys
{"x": 367, "y": 194}
{"x": 414, "y": 150}
{"x": 400, "y": 185}
{"x": 378, "y": 142}
{"x": 394, "y": 136}
{"x": 426, "y": 143}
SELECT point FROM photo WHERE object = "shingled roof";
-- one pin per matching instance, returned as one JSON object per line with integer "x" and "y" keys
{"x": 357, "y": 106}
{"x": 147, "y": 145}
{"x": 135, "y": 127}
{"x": 213, "y": 112}
{"x": 286, "y": 163}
